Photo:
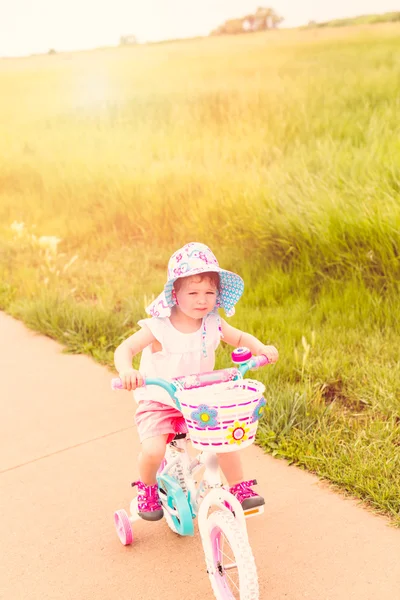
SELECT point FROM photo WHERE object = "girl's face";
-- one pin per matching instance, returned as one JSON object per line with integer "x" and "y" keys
{"x": 196, "y": 297}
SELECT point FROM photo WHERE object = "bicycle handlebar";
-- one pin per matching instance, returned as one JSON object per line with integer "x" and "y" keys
{"x": 189, "y": 382}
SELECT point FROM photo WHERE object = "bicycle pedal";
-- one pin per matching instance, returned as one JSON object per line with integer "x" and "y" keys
{"x": 253, "y": 512}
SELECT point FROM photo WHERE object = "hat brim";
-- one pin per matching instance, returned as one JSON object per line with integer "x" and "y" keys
{"x": 231, "y": 290}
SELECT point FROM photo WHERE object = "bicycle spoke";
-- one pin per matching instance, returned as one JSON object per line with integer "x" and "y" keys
{"x": 227, "y": 567}
{"x": 231, "y": 564}
{"x": 233, "y": 583}
{"x": 230, "y": 558}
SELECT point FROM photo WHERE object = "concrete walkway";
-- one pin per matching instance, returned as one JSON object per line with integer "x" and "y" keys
{"x": 67, "y": 457}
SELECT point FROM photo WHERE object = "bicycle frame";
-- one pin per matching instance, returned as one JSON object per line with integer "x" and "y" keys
{"x": 200, "y": 500}
{"x": 209, "y": 490}
{"x": 183, "y": 498}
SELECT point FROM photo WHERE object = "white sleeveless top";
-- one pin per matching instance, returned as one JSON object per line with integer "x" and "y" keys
{"x": 181, "y": 354}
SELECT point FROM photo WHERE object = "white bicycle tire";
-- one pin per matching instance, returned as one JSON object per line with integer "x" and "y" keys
{"x": 223, "y": 523}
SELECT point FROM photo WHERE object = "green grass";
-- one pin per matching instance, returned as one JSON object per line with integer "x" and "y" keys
{"x": 389, "y": 17}
{"x": 281, "y": 151}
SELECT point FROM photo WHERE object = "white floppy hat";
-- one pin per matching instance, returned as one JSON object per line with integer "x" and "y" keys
{"x": 194, "y": 259}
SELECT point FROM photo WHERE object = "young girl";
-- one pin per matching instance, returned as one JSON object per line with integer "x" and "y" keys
{"x": 180, "y": 339}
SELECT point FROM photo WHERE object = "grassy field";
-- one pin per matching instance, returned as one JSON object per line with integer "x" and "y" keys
{"x": 281, "y": 151}
{"x": 389, "y": 17}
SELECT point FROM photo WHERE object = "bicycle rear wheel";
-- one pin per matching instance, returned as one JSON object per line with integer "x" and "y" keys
{"x": 234, "y": 575}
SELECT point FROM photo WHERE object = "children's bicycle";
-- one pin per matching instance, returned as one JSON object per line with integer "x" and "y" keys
{"x": 222, "y": 411}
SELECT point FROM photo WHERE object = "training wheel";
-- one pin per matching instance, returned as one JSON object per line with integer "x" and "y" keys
{"x": 123, "y": 527}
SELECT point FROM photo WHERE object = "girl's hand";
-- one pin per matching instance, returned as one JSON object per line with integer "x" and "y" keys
{"x": 131, "y": 379}
{"x": 270, "y": 352}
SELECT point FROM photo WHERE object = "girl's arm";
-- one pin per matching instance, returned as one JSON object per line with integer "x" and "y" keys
{"x": 236, "y": 337}
{"x": 124, "y": 354}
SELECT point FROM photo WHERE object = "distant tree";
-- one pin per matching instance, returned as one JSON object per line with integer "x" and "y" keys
{"x": 52, "y": 51}
{"x": 268, "y": 17}
{"x": 127, "y": 40}
{"x": 263, "y": 14}
{"x": 233, "y": 26}
{"x": 262, "y": 19}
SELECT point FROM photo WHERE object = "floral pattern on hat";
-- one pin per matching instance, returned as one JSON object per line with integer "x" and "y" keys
{"x": 194, "y": 259}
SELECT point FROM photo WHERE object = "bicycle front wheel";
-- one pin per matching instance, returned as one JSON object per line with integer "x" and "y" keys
{"x": 234, "y": 573}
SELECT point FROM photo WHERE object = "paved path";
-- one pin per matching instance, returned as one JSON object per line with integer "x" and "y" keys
{"x": 67, "y": 456}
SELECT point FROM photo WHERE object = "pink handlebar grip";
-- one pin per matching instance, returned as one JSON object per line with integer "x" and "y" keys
{"x": 116, "y": 384}
{"x": 261, "y": 361}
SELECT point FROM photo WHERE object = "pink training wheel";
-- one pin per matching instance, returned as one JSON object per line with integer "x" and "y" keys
{"x": 123, "y": 527}
{"x": 241, "y": 355}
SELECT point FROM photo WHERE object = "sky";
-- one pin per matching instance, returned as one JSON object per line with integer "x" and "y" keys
{"x": 35, "y": 26}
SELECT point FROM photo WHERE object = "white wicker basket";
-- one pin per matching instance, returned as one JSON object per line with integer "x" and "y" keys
{"x": 223, "y": 417}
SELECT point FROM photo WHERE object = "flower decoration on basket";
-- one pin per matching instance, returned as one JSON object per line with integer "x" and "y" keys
{"x": 205, "y": 416}
{"x": 259, "y": 410}
{"x": 237, "y": 433}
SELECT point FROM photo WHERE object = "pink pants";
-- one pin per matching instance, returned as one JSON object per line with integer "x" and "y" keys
{"x": 154, "y": 418}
